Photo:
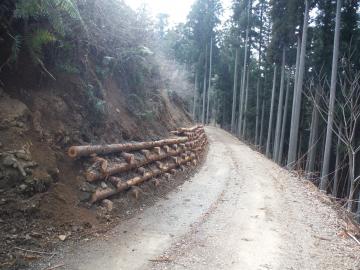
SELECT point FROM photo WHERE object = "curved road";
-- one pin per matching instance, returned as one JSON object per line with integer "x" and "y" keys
{"x": 240, "y": 211}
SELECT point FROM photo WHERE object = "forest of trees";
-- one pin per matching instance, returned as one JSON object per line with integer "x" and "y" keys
{"x": 284, "y": 76}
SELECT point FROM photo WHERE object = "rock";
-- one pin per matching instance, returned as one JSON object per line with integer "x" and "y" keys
{"x": 104, "y": 185}
{"x": 23, "y": 188}
{"x": 108, "y": 205}
{"x": 76, "y": 228}
{"x": 84, "y": 196}
{"x": 36, "y": 235}
{"x": 11, "y": 178}
{"x": 62, "y": 237}
{"x": 13, "y": 112}
{"x": 3, "y": 201}
{"x": 54, "y": 173}
{"x": 19, "y": 124}
{"x": 36, "y": 121}
{"x": 9, "y": 161}
{"x": 87, "y": 187}
{"x": 40, "y": 181}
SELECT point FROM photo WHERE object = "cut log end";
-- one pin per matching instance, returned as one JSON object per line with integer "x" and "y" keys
{"x": 72, "y": 152}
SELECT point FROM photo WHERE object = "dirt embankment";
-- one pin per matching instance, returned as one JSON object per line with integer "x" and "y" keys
{"x": 39, "y": 185}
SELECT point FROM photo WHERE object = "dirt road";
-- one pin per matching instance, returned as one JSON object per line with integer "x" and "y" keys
{"x": 240, "y": 211}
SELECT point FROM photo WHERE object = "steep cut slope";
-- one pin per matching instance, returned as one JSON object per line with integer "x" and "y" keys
{"x": 98, "y": 82}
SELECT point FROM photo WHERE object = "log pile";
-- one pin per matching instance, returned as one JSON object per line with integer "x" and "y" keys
{"x": 122, "y": 166}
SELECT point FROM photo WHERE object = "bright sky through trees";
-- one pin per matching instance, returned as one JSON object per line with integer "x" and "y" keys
{"x": 176, "y": 9}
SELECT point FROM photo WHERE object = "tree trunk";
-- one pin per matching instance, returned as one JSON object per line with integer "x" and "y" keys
{"x": 337, "y": 164}
{"x": 242, "y": 91}
{"x": 195, "y": 96}
{"x": 204, "y": 88}
{"x": 283, "y": 128}
{"x": 258, "y": 81}
{"x": 298, "y": 50}
{"x": 257, "y": 112}
{"x": 233, "y": 111}
{"x": 351, "y": 156}
{"x": 241, "y": 99}
{"x": 294, "y": 130}
{"x": 262, "y": 123}
{"x": 280, "y": 109}
{"x": 313, "y": 140}
{"x": 246, "y": 104}
{"x": 325, "y": 168}
{"x": 209, "y": 85}
{"x": 268, "y": 141}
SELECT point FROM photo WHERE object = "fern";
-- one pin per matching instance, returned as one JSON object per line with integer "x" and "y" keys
{"x": 55, "y": 12}
{"x": 68, "y": 7}
{"x": 37, "y": 40}
{"x": 27, "y": 8}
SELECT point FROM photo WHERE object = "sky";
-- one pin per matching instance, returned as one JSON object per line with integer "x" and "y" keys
{"x": 176, "y": 9}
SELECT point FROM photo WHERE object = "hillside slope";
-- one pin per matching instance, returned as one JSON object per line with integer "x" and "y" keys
{"x": 105, "y": 89}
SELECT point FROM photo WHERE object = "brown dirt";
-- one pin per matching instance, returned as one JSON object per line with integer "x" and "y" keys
{"x": 47, "y": 117}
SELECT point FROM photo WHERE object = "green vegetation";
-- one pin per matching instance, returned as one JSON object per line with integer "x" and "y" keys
{"x": 270, "y": 50}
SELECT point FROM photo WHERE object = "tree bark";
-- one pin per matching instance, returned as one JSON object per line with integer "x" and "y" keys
{"x": 258, "y": 82}
{"x": 280, "y": 109}
{"x": 351, "y": 156}
{"x": 209, "y": 85}
{"x": 246, "y": 103}
{"x": 204, "y": 88}
{"x": 325, "y": 167}
{"x": 268, "y": 141}
{"x": 283, "y": 128}
{"x": 313, "y": 140}
{"x": 257, "y": 120}
{"x": 195, "y": 96}
{"x": 337, "y": 164}
{"x": 233, "y": 111}
{"x": 298, "y": 51}
{"x": 262, "y": 123}
{"x": 294, "y": 130}
{"x": 241, "y": 113}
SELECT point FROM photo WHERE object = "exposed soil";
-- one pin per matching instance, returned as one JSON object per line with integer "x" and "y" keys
{"x": 240, "y": 211}
{"x": 40, "y": 195}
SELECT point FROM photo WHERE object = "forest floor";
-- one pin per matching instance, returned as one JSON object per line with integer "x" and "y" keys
{"x": 240, "y": 211}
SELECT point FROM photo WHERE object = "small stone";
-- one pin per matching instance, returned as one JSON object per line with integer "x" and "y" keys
{"x": 84, "y": 196}
{"x": 23, "y": 187}
{"x": 109, "y": 205}
{"x": 62, "y": 237}
{"x": 9, "y": 161}
{"x": 87, "y": 187}
{"x": 36, "y": 234}
{"x": 19, "y": 124}
{"x": 54, "y": 173}
{"x": 104, "y": 185}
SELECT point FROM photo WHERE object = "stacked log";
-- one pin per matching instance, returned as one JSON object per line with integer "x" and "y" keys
{"x": 168, "y": 156}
